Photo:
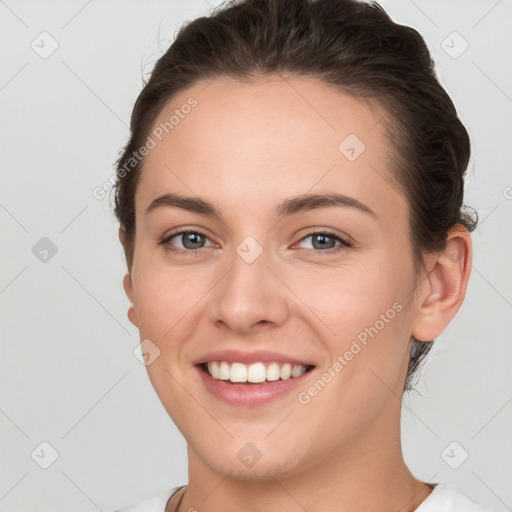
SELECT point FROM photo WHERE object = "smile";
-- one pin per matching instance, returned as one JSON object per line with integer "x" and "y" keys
{"x": 254, "y": 373}
{"x": 252, "y": 385}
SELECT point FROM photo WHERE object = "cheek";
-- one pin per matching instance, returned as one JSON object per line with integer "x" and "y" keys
{"x": 364, "y": 320}
{"x": 166, "y": 297}
{"x": 167, "y": 303}
{"x": 367, "y": 343}
{"x": 350, "y": 297}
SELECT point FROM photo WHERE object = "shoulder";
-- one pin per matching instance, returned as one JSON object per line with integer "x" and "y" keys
{"x": 155, "y": 503}
{"x": 447, "y": 498}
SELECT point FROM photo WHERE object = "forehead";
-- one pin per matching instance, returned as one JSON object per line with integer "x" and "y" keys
{"x": 246, "y": 143}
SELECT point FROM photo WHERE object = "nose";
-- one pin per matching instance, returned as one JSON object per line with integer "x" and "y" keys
{"x": 250, "y": 298}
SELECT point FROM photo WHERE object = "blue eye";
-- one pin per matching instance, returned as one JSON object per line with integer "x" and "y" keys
{"x": 326, "y": 241}
{"x": 190, "y": 241}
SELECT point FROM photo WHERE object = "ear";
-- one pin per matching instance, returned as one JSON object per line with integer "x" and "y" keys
{"x": 122, "y": 235}
{"x": 128, "y": 289}
{"x": 128, "y": 284}
{"x": 442, "y": 291}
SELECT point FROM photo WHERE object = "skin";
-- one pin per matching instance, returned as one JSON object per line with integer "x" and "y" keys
{"x": 245, "y": 148}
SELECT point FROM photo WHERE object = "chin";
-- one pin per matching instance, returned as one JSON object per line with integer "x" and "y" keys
{"x": 243, "y": 460}
{"x": 262, "y": 470}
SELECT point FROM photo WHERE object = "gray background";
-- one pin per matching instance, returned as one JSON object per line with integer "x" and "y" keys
{"x": 69, "y": 376}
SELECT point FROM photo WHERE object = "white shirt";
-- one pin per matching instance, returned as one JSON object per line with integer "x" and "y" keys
{"x": 444, "y": 498}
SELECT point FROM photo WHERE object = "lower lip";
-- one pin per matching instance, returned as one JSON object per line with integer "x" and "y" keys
{"x": 250, "y": 395}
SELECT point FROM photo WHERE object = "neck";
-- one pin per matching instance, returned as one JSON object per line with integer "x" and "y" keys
{"x": 368, "y": 475}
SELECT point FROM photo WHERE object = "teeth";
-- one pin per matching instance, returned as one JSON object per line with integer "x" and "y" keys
{"x": 273, "y": 372}
{"x": 223, "y": 371}
{"x": 255, "y": 372}
{"x": 298, "y": 370}
{"x": 238, "y": 373}
{"x": 286, "y": 371}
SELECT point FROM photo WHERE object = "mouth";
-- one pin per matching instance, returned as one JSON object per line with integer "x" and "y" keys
{"x": 254, "y": 373}
{"x": 252, "y": 385}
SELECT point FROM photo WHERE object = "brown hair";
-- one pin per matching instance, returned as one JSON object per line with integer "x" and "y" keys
{"x": 352, "y": 45}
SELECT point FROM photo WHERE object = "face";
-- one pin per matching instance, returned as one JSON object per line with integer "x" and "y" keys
{"x": 255, "y": 277}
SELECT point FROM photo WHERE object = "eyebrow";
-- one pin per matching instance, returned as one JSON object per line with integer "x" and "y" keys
{"x": 289, "y": 206}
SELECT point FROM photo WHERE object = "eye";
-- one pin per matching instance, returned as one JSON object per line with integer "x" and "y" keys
{"x": 192, "y": 241}
{"x": 183, "y": 242}
{"x": 325, "y": 241}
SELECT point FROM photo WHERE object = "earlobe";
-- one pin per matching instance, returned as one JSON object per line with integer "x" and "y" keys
{"x": 122, "y": 235}
{"x": 444, "y": 288}
{"x": 128, "y": 289}
{"x": 132, "y": 316}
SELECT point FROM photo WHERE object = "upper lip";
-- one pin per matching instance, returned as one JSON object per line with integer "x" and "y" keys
{"x": 238, "y": 356}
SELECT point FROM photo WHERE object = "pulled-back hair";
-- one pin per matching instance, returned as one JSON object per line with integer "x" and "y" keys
{"x": 352, "y": 45}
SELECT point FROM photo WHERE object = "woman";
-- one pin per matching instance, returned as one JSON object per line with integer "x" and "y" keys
{"x": 291, "y": 209}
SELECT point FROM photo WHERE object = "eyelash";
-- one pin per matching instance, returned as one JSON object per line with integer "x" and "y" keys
{"x": 344, "y": 243}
